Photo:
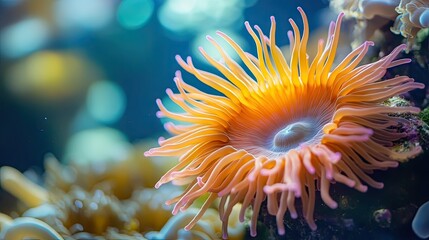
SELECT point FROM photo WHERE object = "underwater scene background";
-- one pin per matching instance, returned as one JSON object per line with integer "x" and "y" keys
{"x": 85, "y": 137}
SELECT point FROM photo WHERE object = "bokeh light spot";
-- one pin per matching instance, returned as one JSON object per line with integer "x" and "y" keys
{"x": 83, "y": 14}
{"x": 133, "y": 14}
{"x": 193, "y": 16}
{"x": 97, "y": 145}
{"x": 105, "y": 101}
{"x": 23, "y": 37}
{"x": 51, "y": 76}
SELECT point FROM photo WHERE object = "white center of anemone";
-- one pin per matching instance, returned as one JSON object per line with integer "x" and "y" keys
{"x": 293, "y": 135}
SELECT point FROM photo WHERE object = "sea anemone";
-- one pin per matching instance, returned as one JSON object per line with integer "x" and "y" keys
{"x": 413, "y": 16}
{"x": 279, "y": 131}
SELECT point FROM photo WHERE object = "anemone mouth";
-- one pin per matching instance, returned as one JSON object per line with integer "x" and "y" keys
{"x": 274, "y": 129}
{"x": 293, "y": 134}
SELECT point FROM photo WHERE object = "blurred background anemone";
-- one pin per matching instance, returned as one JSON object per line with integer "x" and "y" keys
{"x": 74, "y": 71}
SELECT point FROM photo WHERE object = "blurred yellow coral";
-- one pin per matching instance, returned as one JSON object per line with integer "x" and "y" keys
{"x": 119, "y": 177}
{"x": 108, "y": 199}
{"x": 51, "y": 76}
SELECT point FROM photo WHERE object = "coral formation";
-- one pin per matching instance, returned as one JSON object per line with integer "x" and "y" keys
{"x": 274, "y": 134}
{"x": 413, "y": 16}
{"x": 106, "y": 200}
{"x": 409, "y": 16}
{"x": 370, "y": 16}
{"x": 27, "y": 228}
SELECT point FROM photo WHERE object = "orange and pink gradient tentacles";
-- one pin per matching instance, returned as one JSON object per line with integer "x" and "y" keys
{"x": 285, "y": 130}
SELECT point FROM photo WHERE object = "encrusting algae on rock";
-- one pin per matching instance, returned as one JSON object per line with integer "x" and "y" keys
{"x": 286, "y": 130}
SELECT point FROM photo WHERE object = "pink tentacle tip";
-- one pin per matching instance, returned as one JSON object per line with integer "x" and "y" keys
{"x": 281, "y": 230}
{"x": 148, "y": 153}
{"x": 178, "y": 58}
{"x": 297, "y": 192}
{"x": 251, "y": 177}
{"x": 268, "y": 189}
{"x": 158, "y": 184}
{"x": 407, "y": 60}
{"x": 402, "y": 46}
{"x": 175, "y": 209}
{"x": 225, "y": 235}
{"x": 329, "y": 174}
{"x": 273, "y": 19}
{"x": 311, "y": 170}
{"x": 200, "y": 182}
{"x": 178, "y": 73}
{"x": 161, "y": 140}
{"x": 336, "y": 157}
{"x": 361, "y": 188}
{"x": 313, "y": 227}
{"x": 333, "y": 205}
{"x": 167, "y": 125}
{"x": 293, "y": 215}
{"x": 351, "y": 184}
{"x": 368, "y": 43}
{"x": 160, "y": 114}
{"x": 241, "y": 218}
